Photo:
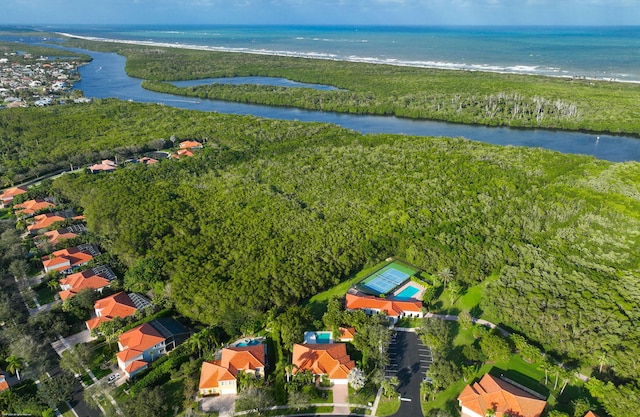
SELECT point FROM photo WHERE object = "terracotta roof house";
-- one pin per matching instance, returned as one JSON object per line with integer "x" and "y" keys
{"x": 329, "y": 359}
{"x": 96, "y": 279}
{"x": 143, "y": 344}
{"x": 395, "y": 310}
{"x": 219, "y": 377}
{"x": 6, "y": 198}
{"x": 65, "y": 259}
{"x": 116, "y": 305}
{"x": 181, "y": 153}
{"x": 590, "y": 414}
{"x": 106, "y": 165}
{"x": 502, "y": 397}
{"x": 45, "y": 220}
{"x": 4, "y": 385}
{"x": 56, "y": 236}
{"x": 190, "y": 144}
{"x": 147, "y": 161}
{"x": 30, "y": 207}
{"x": 347, "y": 334}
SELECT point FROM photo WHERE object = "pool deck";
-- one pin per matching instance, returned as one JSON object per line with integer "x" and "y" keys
{"x": 416, "y": 296}
{"x": 310, "y": 338}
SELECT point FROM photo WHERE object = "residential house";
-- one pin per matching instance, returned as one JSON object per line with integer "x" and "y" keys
{"x": 65, "y": 259}
{"x": 220, "y": 377}
{"x": 96, "y": 279}
{"x": 6, "y": 198}
{"x": 30, "y": 207}
{"x": 143, "y": 344}
{"x": 395, "y": 310}
{"x": 181, "y": 153}
{"x": 56, "y": 236}
{"x": 329, "y": 359}
{"x": 106, "y": 165}
{"x": 116, "y": 305}
{"x": 147, "y": 161}
{"x": 591, "y": 414}
{"x": 504, "y": 398}
{"x": 4, "y": 385}
{"x": 190, "y": 144}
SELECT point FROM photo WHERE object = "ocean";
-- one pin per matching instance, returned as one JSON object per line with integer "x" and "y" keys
{"x": 609, "y": 53}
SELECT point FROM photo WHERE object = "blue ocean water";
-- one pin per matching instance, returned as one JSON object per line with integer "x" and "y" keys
{"x": 593, "y": 52}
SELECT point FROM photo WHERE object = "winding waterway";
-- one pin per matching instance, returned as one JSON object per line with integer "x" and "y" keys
{"x": 105, "y": 77}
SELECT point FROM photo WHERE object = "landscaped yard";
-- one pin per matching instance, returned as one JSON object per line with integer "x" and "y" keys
{"x": 44, "y": 294}
{"x": 388, "y": 406}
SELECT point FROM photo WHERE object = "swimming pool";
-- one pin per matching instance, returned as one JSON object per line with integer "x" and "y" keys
{"x": 252, "y": 342}
{"x": 318, "y": 337}
{"x": 407, "y": 293}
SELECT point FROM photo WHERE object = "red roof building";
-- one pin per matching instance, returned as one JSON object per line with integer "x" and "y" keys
{"x": 139, "y": 347}
{"x": 6, "y": 198}
{"x": 591, "y": 414}
{"x": 44, "y": 221}
{"x": 30, "y": 207}
{"x": 116, "y": 305}
{"x": 64, "y": 259}
{"x": 503, "y": 398}
{"x": 393, "y": 309}
{"x": 56, "y": 236}
{"x": 219, "y": 377}
{"x": 330, "y": 359}
{"x": 106, "y": 165}
{"x": 190, "y": 144}
{"x": 96, "y": 279}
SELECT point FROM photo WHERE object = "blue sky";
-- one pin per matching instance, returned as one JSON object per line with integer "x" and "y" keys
{"x": 331, "y": 12}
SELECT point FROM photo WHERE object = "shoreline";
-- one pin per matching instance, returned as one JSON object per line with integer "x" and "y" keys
{"x": 515, "y": 70}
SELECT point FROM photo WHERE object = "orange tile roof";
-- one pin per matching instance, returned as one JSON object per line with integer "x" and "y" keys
{"x": 105, "y": 165}
{"x": 8, "y": 194}
{"x": 390, "y": 307}
{"x": 147, "y": 161}
{"x": 502, "y": 397}
{"x": 234, "y": 359}
{"x": 4, "y": 385}
{"x": 116, "y": 305}
{"x": 211, "y": 373}
{"x": 67, "y": 258}
{"x": 29, "y": 207}
{"x": 137, "y": 340}
{"x": 42, "y": 221}
{"x": 591, "y": 414}
{"x": 347, "y": 333}
{"x": 94, "y": 322}
{"x": 85, "y": 279}
{"x": 243, "y": 358}
{"x": 55, "y": 236}
{"x": 323, "y": 359}
{"x": 190, "y": 144}
{"x": 134, "y": 366}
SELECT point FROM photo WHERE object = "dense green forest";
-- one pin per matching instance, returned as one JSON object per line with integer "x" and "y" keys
{"x": 272, "y": 211}
{"x": 456, "y": 96}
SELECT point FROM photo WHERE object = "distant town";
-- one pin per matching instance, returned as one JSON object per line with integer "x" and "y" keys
{"x": 40, "y": 81}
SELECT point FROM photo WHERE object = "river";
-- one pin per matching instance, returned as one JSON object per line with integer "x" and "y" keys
{"x": 105, "y": 77}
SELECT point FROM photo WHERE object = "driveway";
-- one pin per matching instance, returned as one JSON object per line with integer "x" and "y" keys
{"x": 223, "y": 404}
{"x": 67, "y": 343}
{"x": 409, "y": 364}
{"x": 341, "y": 396}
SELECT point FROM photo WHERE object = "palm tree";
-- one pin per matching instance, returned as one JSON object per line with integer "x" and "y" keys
{"x": 567, "y": 376}
{"x": 558, "y": 370}
{"x": 15, "y": 365}
{"x": 602, "y": 359}
{"x": 446, "y": 275}
{"x": 546, "y": 366}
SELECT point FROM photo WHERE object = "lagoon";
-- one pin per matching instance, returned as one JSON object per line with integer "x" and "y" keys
{"x": 105, "y": 77}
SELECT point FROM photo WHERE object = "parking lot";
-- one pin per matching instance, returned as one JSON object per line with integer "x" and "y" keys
{"x": 409, "y": 360}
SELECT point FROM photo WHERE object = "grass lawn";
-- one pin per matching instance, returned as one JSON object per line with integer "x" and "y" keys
{"x": 45, "y": 295}
{"x": 409, "y": 322}
{"x": 388, "y": 406}
{"x": 101, "y": 352}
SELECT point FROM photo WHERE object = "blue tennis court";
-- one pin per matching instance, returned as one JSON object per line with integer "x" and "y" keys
{"x": 387, "y": 279}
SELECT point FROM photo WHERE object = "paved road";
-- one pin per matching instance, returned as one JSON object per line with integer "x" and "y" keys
{"x": 410, "y": 364}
